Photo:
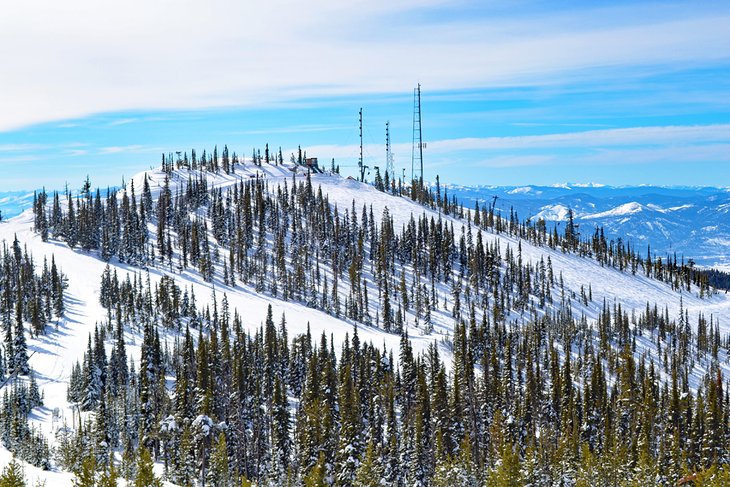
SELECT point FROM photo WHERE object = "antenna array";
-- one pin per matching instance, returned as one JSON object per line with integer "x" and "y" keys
{"x": 360, "y": 163}
{"x": 418, "y": 145}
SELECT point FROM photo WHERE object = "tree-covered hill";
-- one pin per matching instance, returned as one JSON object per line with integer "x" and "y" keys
{"x": 257, "y": 321}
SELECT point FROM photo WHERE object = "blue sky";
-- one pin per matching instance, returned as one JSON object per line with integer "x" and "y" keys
{"x": 514, "y": 93}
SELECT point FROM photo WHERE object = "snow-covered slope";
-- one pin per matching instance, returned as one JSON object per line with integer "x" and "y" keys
{"x": 65, "y": 343}
{"x": 633, "y": 291}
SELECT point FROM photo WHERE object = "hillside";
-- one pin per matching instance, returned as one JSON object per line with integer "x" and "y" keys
{"x": 291, "y": 257}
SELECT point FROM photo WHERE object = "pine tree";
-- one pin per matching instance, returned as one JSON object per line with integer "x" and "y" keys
{"x": 109, "y": 476}
{"x": 20, "y": 347}
{"x": 315, "y": 477}
{"x": 86, "y": 473}
{"x": 219, "y": 473}
{"x": 12, "y": 475}
{"x": 281, "y": 425}
{"x": 507, "y": 471}
{"x": 184, "y": 471}
{"x": 145, "y": 474}
{"x": 349, "y": 442}
{"x": 370, "y": 473}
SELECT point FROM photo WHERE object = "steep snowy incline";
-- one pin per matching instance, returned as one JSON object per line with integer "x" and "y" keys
{"x": 632, "y": 291}
{"x": 58, "y": 351}
{"x": 65, "y": 344}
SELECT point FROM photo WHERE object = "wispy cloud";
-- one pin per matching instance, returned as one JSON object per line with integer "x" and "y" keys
{"x": 669, "y": 135}
{"x": 18, "y": 159}
{"x": 515, "y": 161}
{"x": 19, "y": 147}
{"x": 122, "y": 121}
{"x": 686, "y": 155}
{"x": 588, "y": 139}
{"x": 126, "y": 148}
{"x": 296, "y": 129}
{"x": 92, "y": 57}
{"x": 556, "y": 124}
{"x": 634, "y": 146}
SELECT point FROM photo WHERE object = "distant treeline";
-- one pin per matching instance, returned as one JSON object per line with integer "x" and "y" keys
{"x": 717, "y": 279}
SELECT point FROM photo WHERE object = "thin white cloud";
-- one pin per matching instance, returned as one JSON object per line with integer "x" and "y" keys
{"x": 297, "y": 129}
{"x": 692, "y": 154}
{"x": 634, "y": 145}
{"x": 123, "y": 121}
{"x": 116, "y": 149}
{"x": 18, "y": 159}
{"x": 70, "y": 59}
{"x": 718, "y": 154}
{"x": 518, "y": 160}
{"x": 667, "y": 135}
{"x": 19, "y": 147}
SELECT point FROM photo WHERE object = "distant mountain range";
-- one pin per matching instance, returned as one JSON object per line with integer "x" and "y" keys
{"x": 693, "y": 222}
{"x": 14, "y": 202}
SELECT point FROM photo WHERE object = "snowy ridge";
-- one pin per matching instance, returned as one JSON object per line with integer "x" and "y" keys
{"x": 63, "y": 345}
{"x": 631, "y": 290}
{"x": 622, "y": 210}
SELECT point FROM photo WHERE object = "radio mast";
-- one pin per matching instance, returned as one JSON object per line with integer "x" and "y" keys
{"x": 388, "y": 153}
{"x": 360, "y": 163}
{"x": 418, "y": 145}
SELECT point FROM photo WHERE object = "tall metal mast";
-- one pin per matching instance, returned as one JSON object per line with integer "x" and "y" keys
{"x": 388, "y": 153}
{"x": 417, "y": 152}
{"x": 360, "y": 164}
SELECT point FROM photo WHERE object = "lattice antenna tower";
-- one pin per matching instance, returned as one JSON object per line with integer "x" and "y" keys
{"x": 418, "y": 145}
{"x": 388, "y": 153}
{"x": 360, "y": 163}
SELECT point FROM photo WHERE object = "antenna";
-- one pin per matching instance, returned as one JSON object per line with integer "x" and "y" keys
{"x": 417, "y": 152}
{"x": 388, "y": 153}
{"x": 360, "y": 164}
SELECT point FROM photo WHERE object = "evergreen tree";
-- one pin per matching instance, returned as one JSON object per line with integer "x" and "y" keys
{"x": 219, "y": 473}
{"x": 86, "y": 473}
{"x": 145, "y": 476}
{"x": 12, "y": 475}
{"x": 370, "y": 472}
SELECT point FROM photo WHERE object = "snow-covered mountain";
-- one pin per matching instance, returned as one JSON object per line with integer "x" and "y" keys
{"x": 12, "y": 203}
{"x": 662, "y": 212}
{"x": 693, "y": 222}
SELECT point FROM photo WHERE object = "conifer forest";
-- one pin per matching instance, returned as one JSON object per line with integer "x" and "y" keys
{"x": 263, "y": 322}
